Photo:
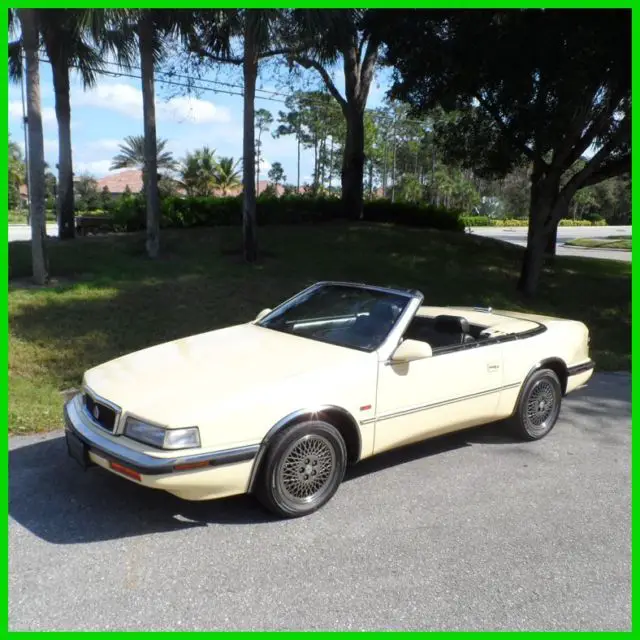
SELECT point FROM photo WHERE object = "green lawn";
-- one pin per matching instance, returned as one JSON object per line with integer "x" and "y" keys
{"x": 610, "y": 242}
{"x": 110, "y": 300}
{"x": 20, "y": 216}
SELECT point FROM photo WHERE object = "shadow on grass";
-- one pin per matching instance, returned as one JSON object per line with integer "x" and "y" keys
{"x": 122, "y": 302}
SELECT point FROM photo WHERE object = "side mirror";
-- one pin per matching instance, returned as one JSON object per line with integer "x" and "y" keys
{"x": 412, "y": 350}
{"x": 262, "y": 314}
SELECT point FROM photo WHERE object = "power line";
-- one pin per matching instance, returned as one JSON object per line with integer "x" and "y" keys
{"x": 281, "y": 99}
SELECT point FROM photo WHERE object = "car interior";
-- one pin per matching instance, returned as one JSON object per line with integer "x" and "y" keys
{"x": 444, "y": 331}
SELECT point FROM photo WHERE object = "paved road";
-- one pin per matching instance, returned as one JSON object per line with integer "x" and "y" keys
{"x": 472, "y": 531}
{"x": 22, "y": 232}
{"x": 518, "y": 235}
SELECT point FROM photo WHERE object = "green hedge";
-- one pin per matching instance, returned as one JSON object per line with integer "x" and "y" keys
{"x": 129, "y": 212}
{"x": 484, "y": 221}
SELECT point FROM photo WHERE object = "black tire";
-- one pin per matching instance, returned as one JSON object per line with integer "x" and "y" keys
{"x": 302, "y": 470}
{"x": 538, "y": 407}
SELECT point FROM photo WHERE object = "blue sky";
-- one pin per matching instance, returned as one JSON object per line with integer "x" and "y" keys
{"x": 103, "y": 116}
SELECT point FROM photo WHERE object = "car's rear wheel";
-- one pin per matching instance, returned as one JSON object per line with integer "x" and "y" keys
{"x": 539, "y": 406}
{"x": 303, "y": 469}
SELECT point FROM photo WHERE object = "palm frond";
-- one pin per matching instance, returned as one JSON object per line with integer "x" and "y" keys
{"x": 15, "y": 61}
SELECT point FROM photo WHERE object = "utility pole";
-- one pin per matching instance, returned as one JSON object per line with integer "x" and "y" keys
{"x": 26, "y": 139}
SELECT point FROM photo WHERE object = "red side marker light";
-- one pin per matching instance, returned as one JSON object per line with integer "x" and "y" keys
{"x": 125, "y": 471}
{"x": 191, "y": 465}
{"x": 366, "y": 407}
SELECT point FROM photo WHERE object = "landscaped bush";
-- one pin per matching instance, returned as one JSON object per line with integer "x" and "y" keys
{"x": 129, "y": 212}
{"x": 483, "y": 221}
{"x": 413, "y": 215}
{"x": 476, "y": 221}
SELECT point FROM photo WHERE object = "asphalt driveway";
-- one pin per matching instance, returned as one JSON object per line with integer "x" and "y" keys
{"x": 471, "y": 531}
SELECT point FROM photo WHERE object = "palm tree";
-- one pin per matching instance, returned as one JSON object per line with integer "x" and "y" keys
{"x": 143, "y": 33}
{"x": 66, "y": 39}
{"x": 132, "y": 155}
{"x": 257, "y": 29}
{"x": 199, "y": 172}
{"x": 29, "y": 26}
{"x": 227, "y": 175}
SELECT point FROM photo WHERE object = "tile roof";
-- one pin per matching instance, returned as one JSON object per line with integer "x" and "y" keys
{"x": 117, "y": 182}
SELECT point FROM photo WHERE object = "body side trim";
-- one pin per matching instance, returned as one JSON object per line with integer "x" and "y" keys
{"x": 434, "y": 405}
{"x": 577, "y": 369}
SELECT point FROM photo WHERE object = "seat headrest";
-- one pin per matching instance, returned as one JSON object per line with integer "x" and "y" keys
{"x": 451, "y": 324}
{"x": 383, "y": 312}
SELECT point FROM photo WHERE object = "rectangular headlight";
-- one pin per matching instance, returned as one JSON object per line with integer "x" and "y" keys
{"x": 162, "y": 438}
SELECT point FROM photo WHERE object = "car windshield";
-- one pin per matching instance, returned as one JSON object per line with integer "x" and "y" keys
{"x": 344, "y": 315}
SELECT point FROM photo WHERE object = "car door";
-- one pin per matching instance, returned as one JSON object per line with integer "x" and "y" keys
{"x": 447, "y": 391}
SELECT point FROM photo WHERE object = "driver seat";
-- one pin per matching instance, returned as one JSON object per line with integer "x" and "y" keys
{"x": 454, "y": 330}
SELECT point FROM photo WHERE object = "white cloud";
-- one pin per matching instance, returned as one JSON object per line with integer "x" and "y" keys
{"x": 97, "y": 168}
{"x": 15, "y": 112}
{"x": 50, "y": 146}
{"x": 104, "y": 144}
{"x": 194, "y": 110}
{"x": 265, "y": 165}
{"x": 127, "y": 100}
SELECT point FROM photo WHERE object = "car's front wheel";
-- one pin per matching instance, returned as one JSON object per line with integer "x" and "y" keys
{"x": 303, "y": 469}
{"x": 539, "y": 406}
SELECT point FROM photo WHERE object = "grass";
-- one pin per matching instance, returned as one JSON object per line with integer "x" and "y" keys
{"x": 610, "y": 242}
{"x": 19, "y": 216}
{"x": 110, "y": 300}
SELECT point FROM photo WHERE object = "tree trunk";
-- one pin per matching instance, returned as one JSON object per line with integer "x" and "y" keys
{"x": 145, "y": 34}
{"x": 250, "y": 72}
{"x": 353, "y": 165}
{"x": 258, "y": 166}
{"x": 65, "y": 204}
{"x": 384, "y": 169}
{"x": 541, "y": 207}
{"x": 393, "y": 165}
{"x": 552, "y": 239}
{"x": 315, "y": 162}
{"x": 30, "y": 39}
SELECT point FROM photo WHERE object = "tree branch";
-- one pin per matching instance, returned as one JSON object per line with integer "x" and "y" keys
{"x": 368, "y": 67}
{"x": 579, "y": 143}
{"x": 496, "y": 116}
{"x": 609, "y": 170}
{"x": 592, "y": 170}
{"x": 309, "y": 63}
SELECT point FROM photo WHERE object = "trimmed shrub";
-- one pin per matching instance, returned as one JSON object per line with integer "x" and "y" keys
{"x": 413, "y": 215}
{"x": 129, "y": 212}
{"x": 476, "y": 221}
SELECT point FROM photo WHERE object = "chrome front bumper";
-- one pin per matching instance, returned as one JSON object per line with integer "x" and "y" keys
{"x": 90, "y": 440}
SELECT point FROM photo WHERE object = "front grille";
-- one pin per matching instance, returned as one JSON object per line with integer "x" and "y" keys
{"x": 106, "y": 416}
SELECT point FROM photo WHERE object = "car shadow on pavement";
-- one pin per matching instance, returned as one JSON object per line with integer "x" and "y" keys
{"x": 51, "y": 497}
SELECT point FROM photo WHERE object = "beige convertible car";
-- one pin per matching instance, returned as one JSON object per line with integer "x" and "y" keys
{"x": 280, "y": 406}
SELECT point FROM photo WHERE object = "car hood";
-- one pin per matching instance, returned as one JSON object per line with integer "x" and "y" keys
{"x": 167, "y": 383}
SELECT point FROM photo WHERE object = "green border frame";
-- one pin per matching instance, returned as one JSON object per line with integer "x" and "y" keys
{"x": 453, "y": 4}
